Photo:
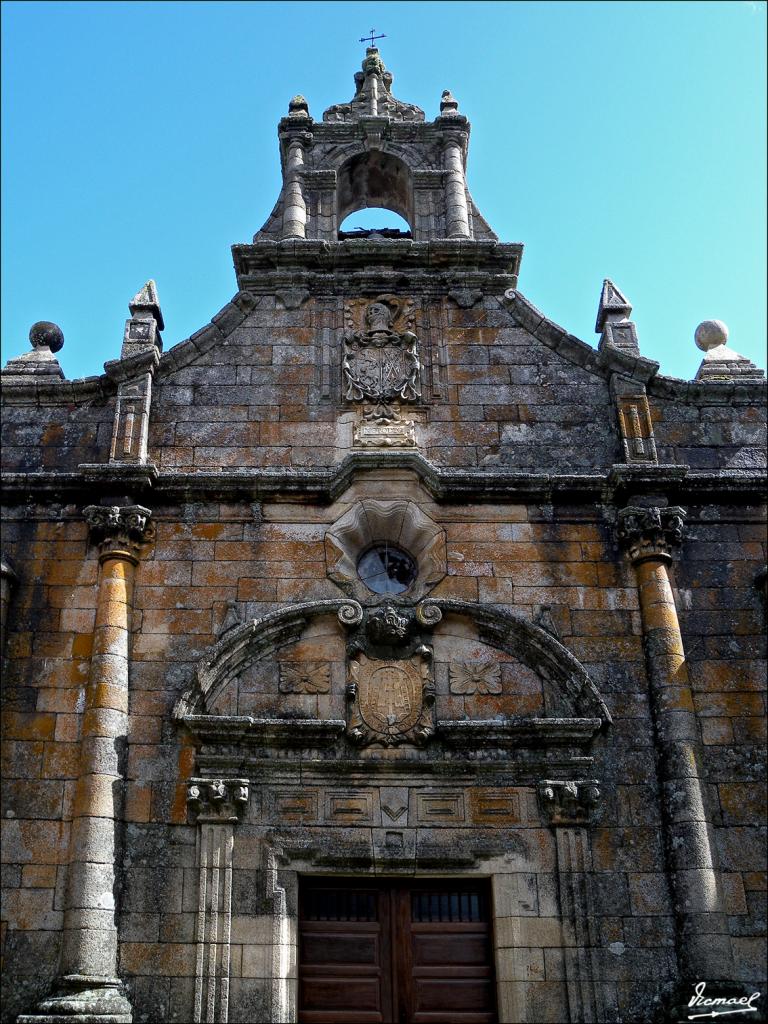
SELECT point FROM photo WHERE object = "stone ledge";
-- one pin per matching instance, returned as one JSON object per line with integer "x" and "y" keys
{"x": 445, "y": 485}
{"x": 275, "y": 732}
{"x": 515, "y": 732}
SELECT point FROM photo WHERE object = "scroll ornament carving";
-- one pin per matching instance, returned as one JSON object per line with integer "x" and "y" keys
{"x": 568, "y": 802}
{"x": 475, "y": 677}
{"x": 650, "y": 532}
{"x": 305, "y": 677}
{"x": 218, "y": 799}
{"x": 119, "y": 528}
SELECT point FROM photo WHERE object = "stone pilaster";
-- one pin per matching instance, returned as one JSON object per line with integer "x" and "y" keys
{"x": 567, "y": 806}
{"x": 133, "y": 373}
{"x": 217, "y": 805}
{"x": 89, "y": 989}
{"x": 633, "y": 417}
{"x": 650, "y": 536}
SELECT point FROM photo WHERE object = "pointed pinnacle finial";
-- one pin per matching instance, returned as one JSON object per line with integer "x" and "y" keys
{"x": 146, "y": 301}
{"x": 613, "y": 305}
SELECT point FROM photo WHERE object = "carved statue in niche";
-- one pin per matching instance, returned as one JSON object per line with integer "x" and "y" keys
{"x": 381, "y": 369}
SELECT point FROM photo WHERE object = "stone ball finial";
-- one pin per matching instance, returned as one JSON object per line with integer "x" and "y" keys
{"x": 711, "y": 333}
{"x": 45, "y": 334}
{"x": 448, "y": 104}
{"x": 298, "y": 107}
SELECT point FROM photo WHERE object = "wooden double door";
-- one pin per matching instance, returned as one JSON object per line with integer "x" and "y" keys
{"x": 395, "y": 952}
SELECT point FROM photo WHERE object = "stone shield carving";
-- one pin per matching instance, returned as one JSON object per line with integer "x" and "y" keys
{"x": 381, "y": 365}
{"x": 390, "y": 702}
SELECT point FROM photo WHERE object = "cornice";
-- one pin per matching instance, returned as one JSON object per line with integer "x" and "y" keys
{"x": 613, "y": 485}
{"x": 253, "y": 260}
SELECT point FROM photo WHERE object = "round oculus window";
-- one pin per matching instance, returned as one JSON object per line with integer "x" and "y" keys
{"x": 386, "y": 569}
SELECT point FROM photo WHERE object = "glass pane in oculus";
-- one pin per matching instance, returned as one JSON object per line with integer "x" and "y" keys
{"x": 386, "y": 569}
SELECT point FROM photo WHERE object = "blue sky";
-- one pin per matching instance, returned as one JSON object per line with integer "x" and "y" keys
{"x": 621, "y": 140}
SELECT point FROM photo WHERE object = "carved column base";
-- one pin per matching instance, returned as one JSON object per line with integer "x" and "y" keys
{"x": 83, "y": 999}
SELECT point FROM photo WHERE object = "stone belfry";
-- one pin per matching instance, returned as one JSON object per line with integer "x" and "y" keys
{"x": 374, "y": 151}
{"x": 381, "y": 652}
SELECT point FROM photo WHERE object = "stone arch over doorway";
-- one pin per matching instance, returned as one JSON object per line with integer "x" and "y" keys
{"x": 502, "y": 797}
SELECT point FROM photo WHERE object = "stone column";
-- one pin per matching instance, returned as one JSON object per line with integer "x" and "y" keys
{"x": 704, "y": 950}
{"x": 8, "y": 580}
{"x": 456, "y": 210}
{"x": 567, "y": 806}
{"x": 218, "y": 804}
{"x": 89, "y": 987}
{"x": 295, "y": 208}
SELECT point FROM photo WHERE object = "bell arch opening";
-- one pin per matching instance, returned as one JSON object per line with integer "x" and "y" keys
{"x": 374, "y": 220}
{"x": 374, "y": 179}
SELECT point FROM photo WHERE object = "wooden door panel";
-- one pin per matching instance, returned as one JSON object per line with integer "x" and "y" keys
{"x": 459, "y": 995}
{"x": 457, "y": 949}
{"x": 395, "y": 952}
{"x": 347, "y": 950}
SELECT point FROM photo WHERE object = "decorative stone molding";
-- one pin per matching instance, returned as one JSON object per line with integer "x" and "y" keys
{"x": 465, "y": 298}
{"x": 466, "y": 734}
{"x": 400, "y": 522}
{"x": 650, "y": 532}
{"x": 475, "y": 677}
{"x": 568, "y": 803}
{"x": 633, "y": 415}
{"x": 242, "y": 645}
{"x": 119, "y": 530}
{"x": 218, "y": 800}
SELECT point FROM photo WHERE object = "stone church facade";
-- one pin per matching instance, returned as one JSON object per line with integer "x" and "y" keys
{"x": 382, "y": 652}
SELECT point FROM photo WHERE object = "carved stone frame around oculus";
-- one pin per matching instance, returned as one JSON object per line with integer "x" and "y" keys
{"x": 400, "y": 522}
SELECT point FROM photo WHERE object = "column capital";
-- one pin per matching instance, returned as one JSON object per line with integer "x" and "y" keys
{"x": 650, "y": 533}
{"x": 119, "y": 530}
{"x": 218, "y": 800}
{"x": 568, "y": 802}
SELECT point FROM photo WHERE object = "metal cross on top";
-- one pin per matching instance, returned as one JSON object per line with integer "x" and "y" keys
{"x": 370, "y": 38}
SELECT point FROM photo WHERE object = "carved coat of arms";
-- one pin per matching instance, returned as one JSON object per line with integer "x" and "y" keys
{"x": 380, "y": 364}
{"x": 391, "y": 701}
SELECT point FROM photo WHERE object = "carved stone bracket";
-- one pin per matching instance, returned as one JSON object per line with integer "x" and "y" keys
{"x": 218, "y": 800}
{"x": 570, "y": 802}
{"x": 119, "y": 530}
{"x": 650, "y": 532}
